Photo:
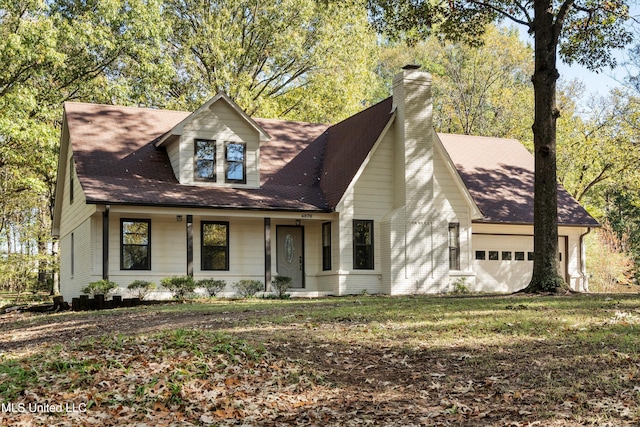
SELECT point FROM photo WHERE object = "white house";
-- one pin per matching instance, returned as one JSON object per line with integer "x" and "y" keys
{"x": 378, "y": 202}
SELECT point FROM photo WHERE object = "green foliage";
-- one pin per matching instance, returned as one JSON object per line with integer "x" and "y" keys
{"x": 180, "y": 286}
{"x": 610, "y": 265}
{"x": 460, "y": 287}
{"x": 280, "y": 285}
{"x": 100, "y": 287}
{"x": 292, "y": 59}
{"x": 248, "y": 288}
{"x": 213, "y": 287}
{"x": 141, "y": 288}
{"x": 482, "y": 90}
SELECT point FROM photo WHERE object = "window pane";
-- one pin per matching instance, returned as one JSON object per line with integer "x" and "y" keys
{"x": 519, "y": 256}
{"x": 214, "y": 235}
{"x": 362, "y": 232}
{"x": 363, "y": 257}
{"x": 204, "y": 169}
{"x": 135, "y": 233}
{"x": 205, "y": 150}
{"x": 493, "y": 255}
{"x": 135, "y": 257}
{"x": 506, "y": 256}
{"x": 214, "y": 258}
{"x": 481, "y": 255}
{"x": 235, "y": 152}
{"x": 235, "y": 171}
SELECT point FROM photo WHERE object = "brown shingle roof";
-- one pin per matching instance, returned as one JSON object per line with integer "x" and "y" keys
{"x": 118, "y": 163}
{"x": 499, "y": 175}
{"x": 305, "y": 167}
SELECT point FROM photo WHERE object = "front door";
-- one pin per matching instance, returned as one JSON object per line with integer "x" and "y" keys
{"x": 290, "y": 253}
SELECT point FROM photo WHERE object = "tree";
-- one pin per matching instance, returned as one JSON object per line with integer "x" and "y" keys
{"x": 293, "y": 59}
{"x": 51, "y": 52}
{"x": 481, "y": 90}
{"x": 581, "y": 31}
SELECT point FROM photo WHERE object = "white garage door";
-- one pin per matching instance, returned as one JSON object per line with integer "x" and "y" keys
{"x": 504, "y": 263}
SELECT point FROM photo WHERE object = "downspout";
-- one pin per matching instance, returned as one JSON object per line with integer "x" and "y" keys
{"x": 583, "y": 262}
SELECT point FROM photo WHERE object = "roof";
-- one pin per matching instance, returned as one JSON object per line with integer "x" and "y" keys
{"x": 304, "y": 166}
{"x": 117, "y": 162}
{"x": 499, "y": 174}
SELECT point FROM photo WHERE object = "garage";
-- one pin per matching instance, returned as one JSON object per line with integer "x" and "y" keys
{"x": 504, "y": 263}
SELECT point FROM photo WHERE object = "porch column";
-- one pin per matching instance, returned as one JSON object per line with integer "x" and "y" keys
{"x": 190, "y": 245}
{"x": 267, "y": 254}
{"x": 105, "y": 242}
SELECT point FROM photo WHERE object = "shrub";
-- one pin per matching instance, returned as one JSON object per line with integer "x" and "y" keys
{"x": 248, "y": 288}
{"x": 100, "y": 287}
{"x": 141, "y": 288}
{"x": 460, "y": 287}
{"x": 280, "y": 284}
{"x": 213, "y": 287}
{"x": 180, "y": 286}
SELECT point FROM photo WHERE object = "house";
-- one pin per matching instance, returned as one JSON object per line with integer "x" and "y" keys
{"x": 378, "y": 203}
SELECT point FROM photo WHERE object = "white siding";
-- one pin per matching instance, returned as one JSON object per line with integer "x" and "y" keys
{"x": 222, "y": 124}
{"x": 370, "y": 198}
{"x": 512, "y": 275}
{"x": 74, "y": 219}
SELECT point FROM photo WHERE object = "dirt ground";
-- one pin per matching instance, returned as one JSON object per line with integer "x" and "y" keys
{"x": 381, "y": 384}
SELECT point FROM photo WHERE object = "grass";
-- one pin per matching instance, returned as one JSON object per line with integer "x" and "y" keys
{"x": 450, "y": 360}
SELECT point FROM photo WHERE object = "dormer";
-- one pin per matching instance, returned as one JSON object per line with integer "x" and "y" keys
{"x": 216, "y": 145}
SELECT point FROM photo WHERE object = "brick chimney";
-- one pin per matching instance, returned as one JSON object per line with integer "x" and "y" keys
{"x": 414, "y": 132}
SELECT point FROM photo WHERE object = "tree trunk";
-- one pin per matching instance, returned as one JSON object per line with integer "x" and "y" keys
{"x": 545, "y": 206}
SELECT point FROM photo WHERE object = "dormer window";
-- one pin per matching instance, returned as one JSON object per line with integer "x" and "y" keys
{"x": 205, "y": 160}
{"x": 235, "y": 168}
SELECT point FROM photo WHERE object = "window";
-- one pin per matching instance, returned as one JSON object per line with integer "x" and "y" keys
{"x": 73, "y": 255}
{"x": 481, "y": 255}
{"x": 235, "y": 167}
{"x": 519, "y": 256}
{"x": 71, "y": 187}
{"x": 493, "y": 256}
{"x": 205, "y": 160}
{"x": 135, "y": 244}
{"x": 215, "y": 245}
{"x": 454, "y": 246}
{"x": 362, "y": 244}
{"x": 506, "y": 256}
{"x": 529, "y": 256}
{"x": 326, "y": 246}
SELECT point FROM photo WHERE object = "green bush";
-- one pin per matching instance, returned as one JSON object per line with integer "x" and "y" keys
{"x": 100, "y": 287}
{"x": 248, "y": 288}
{"x": 181, "y": 287}
{"x": 280, "y": 284}
{"x": 141, "y": 288}
{"x": 460, "y": 287}
{"x": 213, "y": 287}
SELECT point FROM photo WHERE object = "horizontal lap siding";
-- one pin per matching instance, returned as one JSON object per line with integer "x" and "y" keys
{"x": 222, "y": 124}
{"x": 371, "y": 198}
{"x": 71, "y": 284}
{"x": 75, "y": 218}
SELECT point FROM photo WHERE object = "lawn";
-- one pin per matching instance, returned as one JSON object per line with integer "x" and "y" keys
{"x": 366, "y": 360}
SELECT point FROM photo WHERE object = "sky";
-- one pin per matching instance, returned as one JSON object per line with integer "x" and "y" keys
{"x": 595, "y": 83}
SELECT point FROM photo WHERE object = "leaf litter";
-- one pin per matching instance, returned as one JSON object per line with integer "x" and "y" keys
{"x": 219, "y": 371}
